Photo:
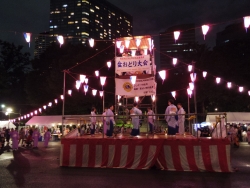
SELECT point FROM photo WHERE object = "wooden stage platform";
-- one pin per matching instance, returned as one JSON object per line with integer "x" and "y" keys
{"x": 177, "y": 153}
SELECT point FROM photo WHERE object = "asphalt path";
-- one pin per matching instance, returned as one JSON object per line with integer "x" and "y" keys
{"x": 37, "y": 168}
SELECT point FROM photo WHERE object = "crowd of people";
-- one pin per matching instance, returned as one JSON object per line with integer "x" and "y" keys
{"x": 23, "y": 138}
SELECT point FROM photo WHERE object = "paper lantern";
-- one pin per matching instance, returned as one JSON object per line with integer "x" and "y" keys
{"x": 118, "y": 43}
{"x": 50, "y": 104}
{"x": 70, "y": 92}
{"x": 174, "y": 61}
{"x": 121, "y": 49}
{"x": 35, "y": 112}
{"x": 118, "y": 97}
{"x": 82, "y": 78}
{"x": 190, "y": 67}
{"x": 86, "y": 80}
{"x": 85, "y": 87}
{"x": 150, "y": 44}
{"x": 109, "y": 64}
{"x": 241, "y": 89}
{"x": 60, "y": 40}
{"x": 176, "y": 35}
{"x": 205, "y": 29}
{"x": 193, "y": 77}
{"x": 97, "y": 73}
{"x": 162, "y": 75}
{"x": 91, "y": 42}
{"x": 173, "y": 93}
{"x": 103, "y": 79}
{"x": 191, "y": 86}
{"x": 249, "y": 93}
{"x": 27, "y": 37}
{"x": 62, "y": 97}
{"x": 94, "y": 91}
{"x": 153, "y": 98}
{"x": 218, "y": 80}
{"x": 40, "y": 110}
{"x": 56, "y": 101}
{"x": 127, "y": 42}
{"x": 145, "y": 51}
{"x": 44, "y": 107}
{"x": 204, "y": 73}
{"x": 246, "y": 22}
{"x": 78, "y": 84}
{"x": 189, "y": 92}
{"x": 133, "y": 79}
{"x": 101, "y": 93}
{"x": 229, "y": 84}
{"x": 136, "y": 99}
{"x": 138, "y": 42}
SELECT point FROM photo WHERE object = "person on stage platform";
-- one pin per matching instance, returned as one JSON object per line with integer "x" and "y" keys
{"x": 104, "y": 120}
{"x": 93, "y": 121}
{"x": 35, "y": 136}
{"x": 14, "y": 138}
{"x": 171, "y": 112}
{"x": 47, "y": 136}
{"x": 181, "y": 119}
{"x": 110, "y": 121}
{"x": 135, "y": 119}
{"x": 151, "y": 119}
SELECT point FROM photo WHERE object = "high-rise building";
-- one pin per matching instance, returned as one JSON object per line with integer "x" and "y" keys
{"x": 170, "y": 48}
{"x": 42, "y": 41}
{"x": 78, "y": 20}
{"x": 232, "y": 32}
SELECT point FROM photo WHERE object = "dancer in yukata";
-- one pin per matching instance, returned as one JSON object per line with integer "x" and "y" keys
{"x": 92, "y": 121}
{"x": 14, "y": 137}
{"x": 110, "y": 121}
{"x": 181, "y": 119}
{"x": 35, "y": 136}
{"x": 47, "y": 136}
{"x": 135, "y": 119}
{"x": 170, "y": 113}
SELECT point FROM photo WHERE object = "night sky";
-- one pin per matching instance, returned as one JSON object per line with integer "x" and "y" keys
{"x": 150, "y": 16}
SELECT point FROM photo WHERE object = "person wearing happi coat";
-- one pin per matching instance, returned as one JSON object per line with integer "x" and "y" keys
{"x": 110, "y": 121}
{"x": 181, "y": 119}
{"x": 35, "y": 136}
{"x": 47, "y": 136}
{"x": 92, "y": 121}
{"x": 14, "y": 137}
{"x": 151, "y": 118}
{"x": 170, "y": 113}
{"x": 135, "y": 119}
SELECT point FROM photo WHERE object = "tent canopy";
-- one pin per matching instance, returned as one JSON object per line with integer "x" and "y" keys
{"x": 7, "y": 124}
{"x": 51, "y": 121}
{"x": 232, "y": 117}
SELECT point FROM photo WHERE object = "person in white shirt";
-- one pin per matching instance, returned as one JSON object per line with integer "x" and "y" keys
{"x": 151, "y": 119}
{"x": 92, "y": 121}
{"x": 135, "y": 119}
{"x": 110, "y": 121}
{"x": 181, "y": 119}
{"x": 170, "y": 113}
{"x": 104, "y": 120}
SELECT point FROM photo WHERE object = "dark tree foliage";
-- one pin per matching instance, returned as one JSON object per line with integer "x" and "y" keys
{"x": 45, "y": 82}
{"x": 14, "y": 66}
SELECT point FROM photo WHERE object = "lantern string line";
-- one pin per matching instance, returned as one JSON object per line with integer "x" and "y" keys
{"x": 91, "y": 57}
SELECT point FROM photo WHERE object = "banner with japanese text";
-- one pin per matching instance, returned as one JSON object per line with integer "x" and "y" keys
{"x": 142, "y": 87}
{"x": 136, "y": 64}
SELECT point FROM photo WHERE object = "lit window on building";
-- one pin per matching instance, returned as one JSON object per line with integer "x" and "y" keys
{"x": 113, "y": 13}
{"x": 69, "y": 16}
{"x": 85, "y": 33}
{"x": 57, "y": 12}
{"x": 65, "y": 5}
{"x": 72, "y": 13}
{"x": 117, "y": 31}
{"x": 79, "y": 4}
{"x": 70, "y": 22}
{"x": 76, "y": 21}
{"x": 97, "y": 7}
{"x": 52, "y": 12}
{"x": 92, "y": 10}
{"x": 109, "y": 24}
{"x": 85, "y": 1}
{"x": 97, "y": 21}
{"x": 78, "y": 27}
{"x": 86, "y": 13}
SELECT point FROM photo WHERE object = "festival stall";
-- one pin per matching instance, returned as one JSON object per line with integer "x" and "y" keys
{"x": 7, "y": 124}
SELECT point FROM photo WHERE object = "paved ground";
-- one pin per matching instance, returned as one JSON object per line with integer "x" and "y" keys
{"x": 40, "y": 168}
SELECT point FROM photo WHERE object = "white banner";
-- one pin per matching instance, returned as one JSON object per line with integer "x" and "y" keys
{"x": 136, "y": 64}
{"x": 142, "y": 87}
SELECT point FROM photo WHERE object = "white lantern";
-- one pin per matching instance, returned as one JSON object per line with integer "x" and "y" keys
{"x": 97, "y": 73}
{"x": 145, "y": 51}
{"x": 176, "y": 35}
{"x": 101, "y": 93}
{"x": 162, "y": 75}
{"x": 50, "y": 104}
{"x": 56, "y": 101}
{"x": 191, "y": 86}
{"x": 193, "y": 76}
{"x": 60, "y": 40}
{"x": 78, "y": 84}
{"x": 138, "y": 42}
{"x": 246, "y": 22}
{"x": 27, "y": 37}
{"x": 133, "y": 79}
{"x": 249, "y": 93}
{"x": 70, "y": 92}
{"x": 150, "y": 44}
{"x": 86, "y": 80}
{"x": 94, "y": 91}
{"x": 85, "y": 87}
{"x": 136, "y": 99}
{"x": 229, "y": 84}
{"x": 241, "y": 89}
{"x": 218, "y": 80}
{"x": 174, "y": 61}
{"x": 127, "y": 42}
{"x": 133, "y": 53}
{"x": 153, "y": 98}
{"x": 109, "y": 64}
{"x": 189, "y": 92}
{"x": 103, "y": 79}
{"x": 121, "y": 49}
{"x": 205, "y": 29}
{"x": 44, "y": 107}
{"x": 173, "y": 93}
{"x": 82, "y": 78}
{"x": 62, "y": 97}
{"x": 35, "y": 112}
{"x": 118, "y": 43}
{"x": 91, "y": 42}
{"x": 204, "y": 73}
{"x": 118, "y": 97}
{"x": 31, "y": 114}
{"x": 40, "y": 110}
{"x": 190, "y": 67}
